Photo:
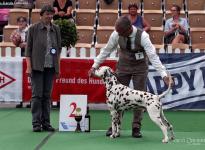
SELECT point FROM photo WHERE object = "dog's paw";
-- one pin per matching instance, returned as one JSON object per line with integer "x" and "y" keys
{"x": 118, "y": 135}
{"x": 165, "y": 140}
{"x": 172, "y": 138}
{"x": 115, "y": 135}
{"x": 112, "y": 136}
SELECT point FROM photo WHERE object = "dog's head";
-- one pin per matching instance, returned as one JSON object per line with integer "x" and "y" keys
{"x": 103, "y": 72}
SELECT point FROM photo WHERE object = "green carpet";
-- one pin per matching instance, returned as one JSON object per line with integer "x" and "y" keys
{"x": 16, "y": 133}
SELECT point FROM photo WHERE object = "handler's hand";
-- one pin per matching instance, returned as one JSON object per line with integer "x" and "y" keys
{"x": 91, "y": 72}
{"x": 167, "y": 80}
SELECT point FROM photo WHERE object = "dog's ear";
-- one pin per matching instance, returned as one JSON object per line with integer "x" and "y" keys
{"x": 111, "y": 72}
{"x": 106, "y": 73}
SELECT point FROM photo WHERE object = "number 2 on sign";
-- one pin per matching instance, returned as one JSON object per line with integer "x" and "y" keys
{"x": 73, "y": 105}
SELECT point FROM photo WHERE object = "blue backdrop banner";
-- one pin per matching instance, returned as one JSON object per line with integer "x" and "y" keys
{"x": 188, "y": 71}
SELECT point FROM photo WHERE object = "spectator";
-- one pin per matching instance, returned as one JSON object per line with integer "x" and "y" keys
{"x": 18, "y": 36}
{"x": 135, "y": 49}
{"x": 176, "y": 28}
{"x": 43, "y": 60}
{"x": 63, "y": 9}
{"x": 136, "y": 19}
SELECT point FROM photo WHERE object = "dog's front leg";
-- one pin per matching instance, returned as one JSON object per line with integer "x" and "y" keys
{"x": 114, "y": 124}
{"x": 118, "y": 120}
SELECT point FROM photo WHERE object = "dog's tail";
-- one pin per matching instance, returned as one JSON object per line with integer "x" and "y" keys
{"x": 168, "y": 89}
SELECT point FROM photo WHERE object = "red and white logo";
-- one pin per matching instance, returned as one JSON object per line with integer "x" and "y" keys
{"x": 5, "y": 79}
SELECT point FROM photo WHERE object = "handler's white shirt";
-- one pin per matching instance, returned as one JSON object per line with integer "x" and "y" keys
{"x": 145, "y": 42}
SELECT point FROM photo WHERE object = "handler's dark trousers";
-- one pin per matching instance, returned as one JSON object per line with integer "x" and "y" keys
{"x": 41, "y": 82}
{"x": 139, "y": 83}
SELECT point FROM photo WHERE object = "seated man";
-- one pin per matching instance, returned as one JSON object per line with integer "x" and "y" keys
{"x": 176, "y": 28}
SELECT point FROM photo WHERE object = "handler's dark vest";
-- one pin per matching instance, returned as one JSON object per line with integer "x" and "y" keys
{"x": 127, "y": 62}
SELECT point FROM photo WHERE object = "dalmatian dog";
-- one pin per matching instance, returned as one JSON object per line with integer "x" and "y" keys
{"x": 121, "y": 98}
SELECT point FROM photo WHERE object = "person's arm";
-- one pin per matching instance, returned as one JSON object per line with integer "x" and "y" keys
{"x": 146, "y": 25}
{"x": 184, "y": 27}
{"x": 56, "y": 10}
{"x": 22, "y": 45}
{"x": 15, "y": 37}
{"x": 69, "y": 8}
{"x": 69, "y": 11}
{"x": 28, "y": 66}
{"x": 105, "y": 52}
{"x": 28, "y": 52}
{"x": 55, "y": 3}
{"x": 167, "y": 29}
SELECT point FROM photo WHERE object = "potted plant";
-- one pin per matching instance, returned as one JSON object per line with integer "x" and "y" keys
{"x": 68, "y": 29}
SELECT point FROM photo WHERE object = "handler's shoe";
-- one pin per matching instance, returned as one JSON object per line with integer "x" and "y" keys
{"x": 48, "y": 128}
{"x": 36, "y": 129}
{"x": 136, "y": 133}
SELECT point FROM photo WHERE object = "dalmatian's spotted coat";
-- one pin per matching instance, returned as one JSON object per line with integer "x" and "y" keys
{"x": 120, "y": 98}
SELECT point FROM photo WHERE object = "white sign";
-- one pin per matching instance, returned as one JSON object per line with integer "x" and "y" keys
{"x": 68, "y": 106}
{"x": 11, "y": 79}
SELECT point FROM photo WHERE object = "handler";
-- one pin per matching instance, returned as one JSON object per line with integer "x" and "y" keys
{"x": 135, "y": 46}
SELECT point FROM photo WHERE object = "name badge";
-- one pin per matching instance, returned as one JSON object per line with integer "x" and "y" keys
{"x": 52, "y": 51}
{"x": 139, "y": 55}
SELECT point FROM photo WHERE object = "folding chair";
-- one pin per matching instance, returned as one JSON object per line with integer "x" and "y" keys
{"x": 87, "y": 4}
{"x": 85, "y": 18}
{"x": 35, "y": 16}
{"x": 152, "y": 5}
{"x": 7, "y": 30}
{"x": 197, "y": 19}
{"x": 156, "y": 35}
{"x": 107, "y": 17}
{"x": 85, "y": 34}
{"x": 103, "y": 34}
{"x": 195, "y": 4}
{"x": 154, "y": 17}
{"x": 15, "y": 13}
{"x": 197, "y": 35}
